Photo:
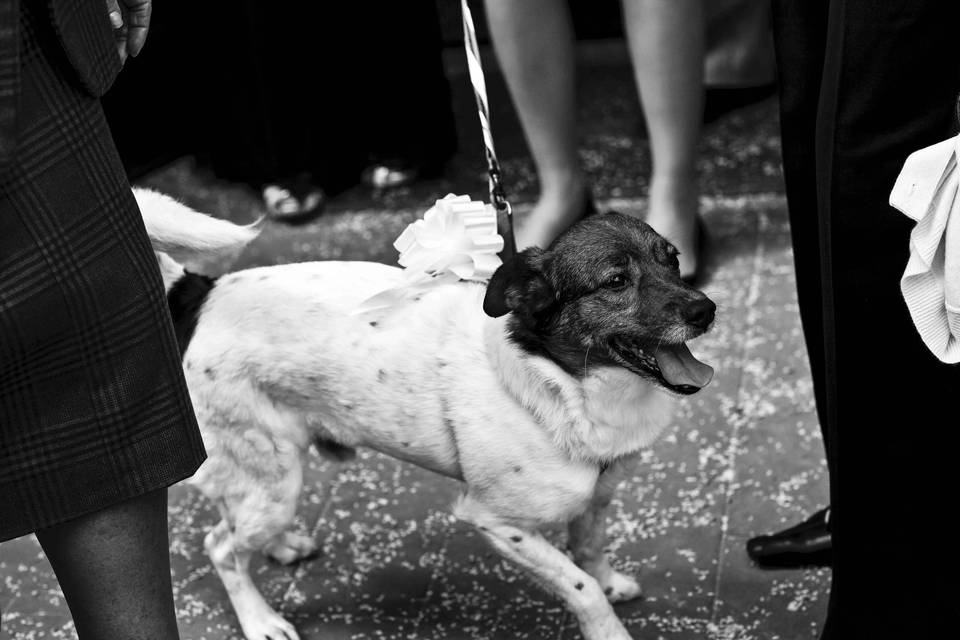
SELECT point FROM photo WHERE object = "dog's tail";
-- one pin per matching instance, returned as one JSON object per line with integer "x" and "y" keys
{"x": 178, "y": 230}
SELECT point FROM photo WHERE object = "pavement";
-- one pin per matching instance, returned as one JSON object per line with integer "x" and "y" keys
{"x": 742, "y": 457}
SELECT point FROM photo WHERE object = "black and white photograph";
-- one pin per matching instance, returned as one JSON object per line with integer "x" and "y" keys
{"x": 479, "y": 319}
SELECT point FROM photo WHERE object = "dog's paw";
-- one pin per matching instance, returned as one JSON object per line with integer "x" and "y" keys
{"x": 291, "y": 547}
{"x": 619, "y": 587}
{"x": 268, "y": 626}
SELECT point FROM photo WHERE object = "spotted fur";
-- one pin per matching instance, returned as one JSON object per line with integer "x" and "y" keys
{"x": 536, "y": 429}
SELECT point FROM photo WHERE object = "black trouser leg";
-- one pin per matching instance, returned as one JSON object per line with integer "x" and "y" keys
{"x": 800, "y": 30}
{"x": 887, "y": 87}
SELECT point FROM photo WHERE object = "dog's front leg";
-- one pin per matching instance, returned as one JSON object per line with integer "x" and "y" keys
{"x": 588, "y": 536}
{"x": 552, "y": 569}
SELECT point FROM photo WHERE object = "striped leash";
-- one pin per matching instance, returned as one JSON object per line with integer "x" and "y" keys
{"x": 497, "y": 196}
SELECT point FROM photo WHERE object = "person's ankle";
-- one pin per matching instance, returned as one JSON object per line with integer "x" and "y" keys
{"x": 554, "y": 212}
{"x": 566, "y": 192}
{"x": 677, "y": 196}
{"x": 673, "y": 212}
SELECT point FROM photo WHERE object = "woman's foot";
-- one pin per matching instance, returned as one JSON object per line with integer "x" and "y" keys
{"x": 674, "y": 213}
{"x": 552, "y": 215}
{"x": 294, "y": 201}
{"x": 393, "y": 172}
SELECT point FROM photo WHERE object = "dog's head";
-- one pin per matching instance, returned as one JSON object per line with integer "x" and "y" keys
{"x": 607, "y": 292}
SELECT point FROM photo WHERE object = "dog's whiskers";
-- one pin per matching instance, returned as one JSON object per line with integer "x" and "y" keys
{"x": 663, "y": 334}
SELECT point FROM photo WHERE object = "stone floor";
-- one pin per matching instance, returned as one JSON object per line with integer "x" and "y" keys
{"x": 743, "y": 457}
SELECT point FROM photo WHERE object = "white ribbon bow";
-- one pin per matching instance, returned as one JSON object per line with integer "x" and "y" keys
{"x": 457, "y": 239}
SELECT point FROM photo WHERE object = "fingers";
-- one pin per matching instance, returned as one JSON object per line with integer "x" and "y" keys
{"x": 138, "y": 24}
{"x": 113, "y": 10}
{"x": 119, "y": 31}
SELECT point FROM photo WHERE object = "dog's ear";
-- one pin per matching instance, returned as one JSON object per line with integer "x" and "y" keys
{"x": 520, "y": 287}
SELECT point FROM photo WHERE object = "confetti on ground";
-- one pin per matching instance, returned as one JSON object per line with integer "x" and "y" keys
{"x": 743, "y": 457}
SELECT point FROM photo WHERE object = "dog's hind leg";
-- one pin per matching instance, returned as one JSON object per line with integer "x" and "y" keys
{"x": 551, "y": 568}
{"x": 588, "y": 536}
{"x": 289, "y": 547}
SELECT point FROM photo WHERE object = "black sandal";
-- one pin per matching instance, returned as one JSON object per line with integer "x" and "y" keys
{"x": 293, "y": 202}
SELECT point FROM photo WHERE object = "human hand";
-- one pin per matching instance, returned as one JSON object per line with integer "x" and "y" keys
{"x": 130, "y": 25}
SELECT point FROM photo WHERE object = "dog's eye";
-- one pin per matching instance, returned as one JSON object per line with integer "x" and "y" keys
{"x": 618, "y": 281}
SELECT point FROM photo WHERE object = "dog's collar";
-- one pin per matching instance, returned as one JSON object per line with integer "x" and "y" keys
{"x": 184, "y": 299}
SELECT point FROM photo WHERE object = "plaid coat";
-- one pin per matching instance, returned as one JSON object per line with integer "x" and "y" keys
{"x": 93, "y": 406}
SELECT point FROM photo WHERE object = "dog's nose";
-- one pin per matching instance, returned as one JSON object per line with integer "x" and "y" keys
{"x": 700, "y": 312}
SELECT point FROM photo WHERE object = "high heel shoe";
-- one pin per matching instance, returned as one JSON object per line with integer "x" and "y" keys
{"x": 700, "y": 242}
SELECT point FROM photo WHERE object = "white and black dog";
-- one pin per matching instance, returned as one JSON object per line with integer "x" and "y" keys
{"x": 534, "y": 411}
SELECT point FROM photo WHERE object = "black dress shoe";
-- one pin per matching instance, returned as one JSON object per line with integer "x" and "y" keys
{"x": 807, "y": 544}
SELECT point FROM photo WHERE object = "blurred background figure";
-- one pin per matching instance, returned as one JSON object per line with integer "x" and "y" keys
{"x": 284, "y": 101}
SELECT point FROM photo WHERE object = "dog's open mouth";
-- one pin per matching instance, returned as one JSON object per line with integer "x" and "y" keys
{"x": 672, "y": 365}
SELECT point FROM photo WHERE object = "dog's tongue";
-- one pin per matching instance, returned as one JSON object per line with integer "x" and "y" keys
{"x": 679, "y": 367}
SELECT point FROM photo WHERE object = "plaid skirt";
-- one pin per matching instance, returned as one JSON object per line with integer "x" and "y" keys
{"x": 93, "y": 406}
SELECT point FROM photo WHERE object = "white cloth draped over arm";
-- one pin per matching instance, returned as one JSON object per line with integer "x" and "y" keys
{"x": 927, "y": 191}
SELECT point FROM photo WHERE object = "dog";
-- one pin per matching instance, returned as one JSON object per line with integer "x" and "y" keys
{"x": 535, "y": 410}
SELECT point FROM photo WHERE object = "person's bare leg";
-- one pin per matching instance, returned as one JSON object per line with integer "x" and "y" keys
{"x": 666, "y": 39}
{"x": 114, "y": 569}
{"x": 535, "y": 46}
